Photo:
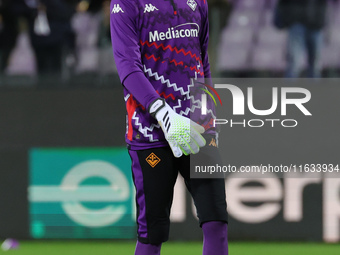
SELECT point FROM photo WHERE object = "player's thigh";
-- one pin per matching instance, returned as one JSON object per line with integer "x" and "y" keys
{"x": 154, "y": 178}
{"x": 208, "y": 193}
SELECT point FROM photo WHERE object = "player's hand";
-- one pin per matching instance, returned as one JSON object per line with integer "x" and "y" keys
{"x": 182, "y": 134}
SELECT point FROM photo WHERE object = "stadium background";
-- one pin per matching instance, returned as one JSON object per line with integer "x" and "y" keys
{"x": 52, "y": 123}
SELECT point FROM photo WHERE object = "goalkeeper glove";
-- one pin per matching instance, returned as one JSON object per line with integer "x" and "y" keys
{"x": 182, "y": 134}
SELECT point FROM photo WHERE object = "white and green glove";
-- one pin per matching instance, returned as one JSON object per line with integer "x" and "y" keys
{"x": 182, "y": 134}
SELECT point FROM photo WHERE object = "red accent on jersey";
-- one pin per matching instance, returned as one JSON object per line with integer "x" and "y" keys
{"x": 171, "y": 49}
{"x": 166, "y": 96}
{"x": 210, "y": 124}
{"x": 153, "y": 57}
{"x": 197, "y": 71}
{"x": 131, "y": 106}
{"x": 174, "y": 62}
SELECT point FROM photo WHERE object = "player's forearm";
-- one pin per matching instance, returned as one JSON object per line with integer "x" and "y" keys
{"x": 140, "y": 87}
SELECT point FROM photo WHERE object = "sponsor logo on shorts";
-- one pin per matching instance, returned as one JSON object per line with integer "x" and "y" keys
{"x": 153, "y": 160}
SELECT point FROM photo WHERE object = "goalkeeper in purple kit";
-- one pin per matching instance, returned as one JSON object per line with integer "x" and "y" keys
{"x": 160, "y": 49}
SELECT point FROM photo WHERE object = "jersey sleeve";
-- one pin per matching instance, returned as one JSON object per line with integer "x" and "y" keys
{"x": 204, "y": 40}
{"x": 126, "y": 51}
{"x": 124, "y": 37}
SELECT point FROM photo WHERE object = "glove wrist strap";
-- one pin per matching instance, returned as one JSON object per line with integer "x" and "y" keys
{"x": 156, "y": 106}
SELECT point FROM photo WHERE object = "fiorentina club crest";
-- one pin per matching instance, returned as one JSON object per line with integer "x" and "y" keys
{"x": 153, "y": 160}
{"x": 192, "y": 4}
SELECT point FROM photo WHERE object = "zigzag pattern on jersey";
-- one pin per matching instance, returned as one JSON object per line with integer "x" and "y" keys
{"x": 161, "y": 78}
{"x": 195, "y": 103}
{"x": 172, "y": 49}
{"x": 178, "y": 70}
{"x": 165, "y": 96}
{"x": 174, "y": 62}
{"x": 188, "y": 45}
{"x": 152, "y": 57}
{"x": 188, "y": 109}
{"x": 145, "y": 130}
{"x": 192, "y": 62}
{"x": 175, "y": 68}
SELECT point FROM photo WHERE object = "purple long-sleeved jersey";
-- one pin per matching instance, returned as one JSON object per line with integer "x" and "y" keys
{"x": 167, "y": 41}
